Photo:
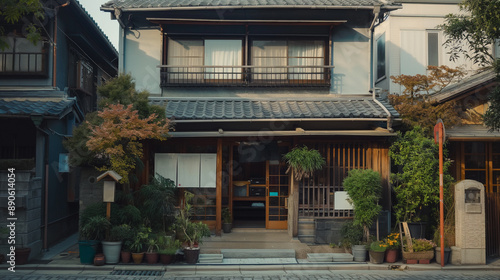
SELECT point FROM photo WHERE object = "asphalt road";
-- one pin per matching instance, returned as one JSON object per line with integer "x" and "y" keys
{"x": 257, "y": 275}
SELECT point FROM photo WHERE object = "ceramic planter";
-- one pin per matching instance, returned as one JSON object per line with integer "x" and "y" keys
{"x": 359, "y": 253}
{"x": 447, "y": 252}
{"x": 151, "y": 258}
{"x": 191, "y": 255}
{"x": 137, "y": 257}
{"x": 166, "y": 259}
{"x": 226, "y": 227}
{"x": 111, "y": 250}
{"x": 377, "y": 257}
{"x": 125, "y": 256}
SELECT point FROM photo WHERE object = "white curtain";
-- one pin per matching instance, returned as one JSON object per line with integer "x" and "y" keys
{"x": 223, "y": 53}
{"x": 187, "y": 53}
{"x": 306, "y": 53}
{"x": 266, "y": 54}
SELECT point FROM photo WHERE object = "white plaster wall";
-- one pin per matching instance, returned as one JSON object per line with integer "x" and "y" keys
{"x": 351, "y": 59}
{"x": 142, "y": 56}
{"x": 413, "y": 20}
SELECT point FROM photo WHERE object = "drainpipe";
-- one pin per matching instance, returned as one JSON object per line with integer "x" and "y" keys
{"x": 376, "y": 13}
{"x": 54, "y": 46}
{"x": 117, "y": 15}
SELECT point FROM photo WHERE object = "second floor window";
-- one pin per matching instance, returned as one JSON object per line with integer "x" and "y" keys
{"x": 22, "y": 57}
{"x": 267, "y": 62}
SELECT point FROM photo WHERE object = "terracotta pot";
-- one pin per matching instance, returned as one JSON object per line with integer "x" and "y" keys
{"x": 377, "y": 257}
{"x": 152, "y": 258}
{"x": 99, "y": 259}
{"x": 191, "y": 255}
{"x": 424, "y": 255}
{"x": 22, "y": 255}
{"x": 391, "y": 255}
{"x": 166, "y": 259}
{"x": 125, "y": 256}
{"x": 138, "y": 257}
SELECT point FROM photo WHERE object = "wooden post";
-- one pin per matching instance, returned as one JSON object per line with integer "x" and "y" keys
{"x": 218, "y": 190}
{"x": 108, "y": 210}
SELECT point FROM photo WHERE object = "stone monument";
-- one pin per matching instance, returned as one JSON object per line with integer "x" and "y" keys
{"x": 470, "y": 224}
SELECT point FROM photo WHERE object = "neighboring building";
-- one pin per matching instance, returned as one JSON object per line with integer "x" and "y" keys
{"x": 474, "y": 149}
{"x": 45, "y": 90}
{"x": 244, "y": 82}
{"x": 409, "y": 40}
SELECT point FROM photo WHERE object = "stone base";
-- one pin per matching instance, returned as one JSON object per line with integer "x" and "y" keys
{"x": 456, "y": 255}
{"x": 473, "y": 256}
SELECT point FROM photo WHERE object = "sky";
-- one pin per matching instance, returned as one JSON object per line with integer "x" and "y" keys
{"x": 108, "y": 26}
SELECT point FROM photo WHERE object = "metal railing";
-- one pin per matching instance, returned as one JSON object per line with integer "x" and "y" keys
{"x": 23, "y": 63}
{"x": 257, "y": 76}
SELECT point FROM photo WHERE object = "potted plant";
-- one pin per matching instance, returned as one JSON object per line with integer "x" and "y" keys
{"x": 303, "y": 161}
{"x": 377, "y": 251}
{"x": 226, "y": 220}
{"x": 416, "y": 185}
{"x": 152, "y": 251}
{"x": 111, "y": 246}
{"x": 137, "y": 246}
{"x": 127, "y": 241}
{"x": 91, "y": 233}
{"x": 392, "y": 241}
{"x": 420, "y": 250}
{"x": 364, "y": 188}
{"x": 352, "y": 235}
{"x": 168, "y": 248}
{"x": 192, "y": 232}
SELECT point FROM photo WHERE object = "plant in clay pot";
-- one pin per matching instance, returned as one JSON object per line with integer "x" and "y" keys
{"x": 152, "y": 251}
{"x": 168, "y": 248}
{"x": 226, "y": 220}
{"x": 137, "y": 245}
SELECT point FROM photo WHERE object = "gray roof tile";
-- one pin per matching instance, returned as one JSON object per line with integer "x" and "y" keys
{"x": 50, "y": 107}
{"x": 132, "y": 4}
{"x": 196, "y": 109}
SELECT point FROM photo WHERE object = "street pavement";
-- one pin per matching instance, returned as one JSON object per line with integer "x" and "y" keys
{"x": 259, "y": 275}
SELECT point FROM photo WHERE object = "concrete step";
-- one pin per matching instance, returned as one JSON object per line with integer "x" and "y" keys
{"x": 329, "y": 257}
{"x": 257, "y": 253}
{"x": 210, "y": 258}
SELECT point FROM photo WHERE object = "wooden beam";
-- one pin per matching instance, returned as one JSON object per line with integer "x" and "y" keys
{"x": 218, "y": 192}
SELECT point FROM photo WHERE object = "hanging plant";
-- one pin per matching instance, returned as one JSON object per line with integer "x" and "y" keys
{"x": 303, "y": 161}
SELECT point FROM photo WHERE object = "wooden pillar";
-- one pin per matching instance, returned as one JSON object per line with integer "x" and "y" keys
{"x": 293, "y": 207}
{"x": 218, "y": 190}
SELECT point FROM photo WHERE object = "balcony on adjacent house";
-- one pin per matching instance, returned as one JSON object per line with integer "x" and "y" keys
{"x": 246, "y": 76}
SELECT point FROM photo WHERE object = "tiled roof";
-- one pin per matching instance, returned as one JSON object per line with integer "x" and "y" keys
{"x": 131, "y": 4}
{"x": 42, "y": 106}
{"x": 474, "y": 82}
{"x": 220, "y": 109}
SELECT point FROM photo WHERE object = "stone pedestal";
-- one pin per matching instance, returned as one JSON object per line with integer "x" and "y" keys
{"x": 470, "y": 223}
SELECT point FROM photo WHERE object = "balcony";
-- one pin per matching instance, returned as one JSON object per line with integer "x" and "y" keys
{"x": 27, "y": 64}
{"x": 246, "y": 76}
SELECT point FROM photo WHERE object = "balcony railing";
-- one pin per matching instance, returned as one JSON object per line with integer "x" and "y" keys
{"x": 251, "y": 76}
{"x": 23, "y": 63}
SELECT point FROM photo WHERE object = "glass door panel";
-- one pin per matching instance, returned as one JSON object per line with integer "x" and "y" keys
{"x": 277, "y": 196}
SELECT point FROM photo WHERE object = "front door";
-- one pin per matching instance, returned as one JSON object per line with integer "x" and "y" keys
{"x": 277, "y": 190}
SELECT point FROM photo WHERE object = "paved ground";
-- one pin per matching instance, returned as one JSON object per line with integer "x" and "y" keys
{"x": 259, "y": 275}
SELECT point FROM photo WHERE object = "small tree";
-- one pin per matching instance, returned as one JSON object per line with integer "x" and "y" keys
{"x": 11, "y": 12}
{"x": 365, "y": 189}
{"x": 415, "y": 106}
{"x": 118, "y": 137}
{"x": 417, "y": 184}
{"x": 303, "y": 161}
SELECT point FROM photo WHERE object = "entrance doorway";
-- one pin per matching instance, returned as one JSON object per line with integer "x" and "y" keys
{"x": 260, "y": 189}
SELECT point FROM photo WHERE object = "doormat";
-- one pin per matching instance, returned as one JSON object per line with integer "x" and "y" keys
{"x": 138, "y": 272}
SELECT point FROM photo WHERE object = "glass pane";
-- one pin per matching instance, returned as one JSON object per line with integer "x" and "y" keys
{"x": 284, "y": 180}
{"x": 283, "y": 218}
{"x": 223, "y": 53}
{"x": 496, "y": 178}
{"x": 284, "y": 190}
{"x": 274, "y": 211}
{"x": 433, "y": 49}
{"x": 474, "y": 147}
{"x": 496, "y": 161}
{"x": 475, "y": 161}
{"x": 273, "y": 180}
{"x": 479, "y": 176}
{"x": 273, "y": 189}
{"x": 274, "y": 218}
{"x": 283, "y": 211}
{"x": 282, "y": 201}
{"x": 496, "y": 147}
{"x": 211, "y": 211}
{"x": 273, "y": 201}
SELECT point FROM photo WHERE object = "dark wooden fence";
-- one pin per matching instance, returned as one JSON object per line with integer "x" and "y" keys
{"x": 492, "y": 224}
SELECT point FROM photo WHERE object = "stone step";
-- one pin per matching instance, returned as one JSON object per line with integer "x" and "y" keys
{"x": 329, "y": 257}
{"x": 210, "y": 258}
{"x": 257, "y": 253}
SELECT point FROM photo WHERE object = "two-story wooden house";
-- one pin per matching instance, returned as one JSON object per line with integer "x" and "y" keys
{"x": 45, "y": 90}
{"x": 244, "y": 82}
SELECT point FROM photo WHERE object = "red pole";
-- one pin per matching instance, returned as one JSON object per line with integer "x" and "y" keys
{"x": 439, "y": 137}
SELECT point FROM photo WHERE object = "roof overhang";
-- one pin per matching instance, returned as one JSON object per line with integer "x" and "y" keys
{"x": 243, "y": 22}
{"x": 298, "y": 132}
{"x": 472, "y": 133}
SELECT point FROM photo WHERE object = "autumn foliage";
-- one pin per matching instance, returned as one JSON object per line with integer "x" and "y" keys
{"x": 415, "y": 104}
{"x": 118, "y": 137}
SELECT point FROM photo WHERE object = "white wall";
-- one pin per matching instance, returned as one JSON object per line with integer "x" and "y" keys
{"x": 142, "y": 56}
{"x": 351, "y": 59}
{"x": 406, "y": 45}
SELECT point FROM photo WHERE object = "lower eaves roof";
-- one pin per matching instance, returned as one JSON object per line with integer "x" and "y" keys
{"x": 185, "y": 109}
{"x": 35, "y": 103}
